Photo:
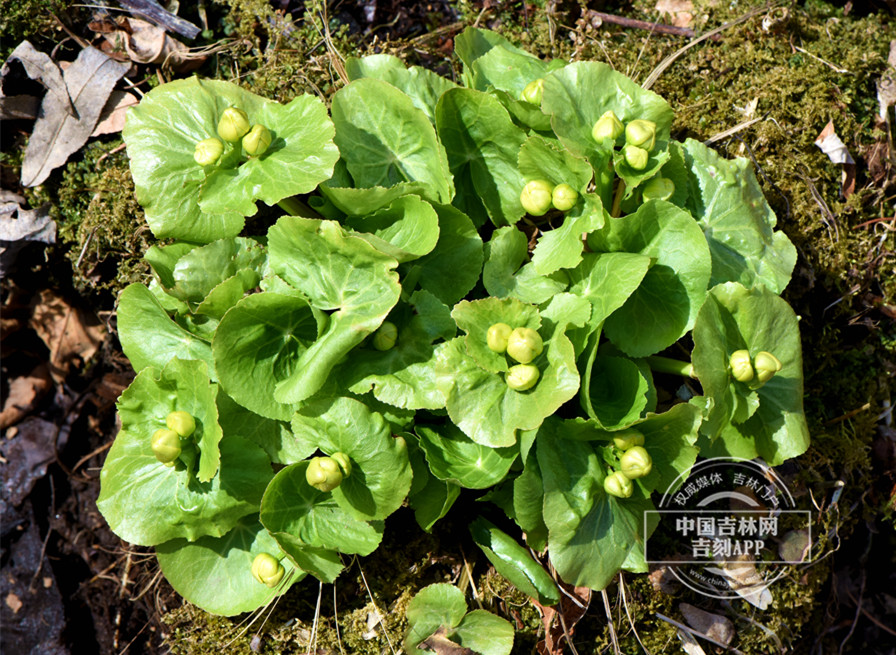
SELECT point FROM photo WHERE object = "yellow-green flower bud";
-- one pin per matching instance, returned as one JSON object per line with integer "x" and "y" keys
{"x": 533, "y": 92}
{"x": 522, "y": 377}
{"x": 233, "y": 124}
{"x": 386, "y": 336}
{"x": 636, "y": 157}
{"x": 641, "y": 133}
{"x": 324, "y": 473}
{"x": 208, "y": 151}
{"x": 658, "y": 188}
{"x": 267, "y": 569}
{"x": 628, "y": 439}
{"x": 766, "y": 366}
{"x": 616, "y": 484}
{"x": 256, "y": 142}
{"x": 497, "y": 337}
{"x": 635, "y": 463}
{"x": 564, "y": 197}
{"x": 741, "y": 368}
{"x": 181, "y": 422}
{"x": 607, "y": 127}
{"x": 524, "y": 344}
{"x": 165, "y": 446}
{"x": 536, "y": 197}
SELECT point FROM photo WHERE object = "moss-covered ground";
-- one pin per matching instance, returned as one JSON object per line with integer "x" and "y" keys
{"x": 794, "y": 67}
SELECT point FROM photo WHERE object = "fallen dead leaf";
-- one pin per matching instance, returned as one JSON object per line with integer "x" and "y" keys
{"x": 438, "y": 642}
{"x": 72, "y": 335}
{"x": 145, "y": 43}
{"x": 689, "y": 644}
{"x": 831, "y": 145}
{"x": 20, "y": 226}
{"x": 57, "y": 134}
{"x": 680, "y": 12}
{"x": 741, "y": 575}
{"x": 24, "y": 393}
{"x": 39, "y": 67}
{"x": 555, "y": 637}
{"x": 795, "y": 546}
{"x": 112, "y": 119}
{"x": 714, "y": 626}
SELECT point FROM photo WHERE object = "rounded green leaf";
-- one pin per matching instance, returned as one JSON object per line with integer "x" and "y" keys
{"x": 578, "y": 95}
{"x": 185, "y": 200}
{"x": 149, "y": 337}
{"x": 434, "y": 606}
{"x": 481, "y": 404}
{"x": 476, "y": 318}
{"x": 452, "y": 268}
{"x": 483, "y": 144}
{"x": 454, "y": 457}
{"x": 616, "y": 391}
{"x": 338, "y": 271}
{"x": 737, "y": 221}
{"x": 258, "y": 344}
{"x": 406, "y": 230}
{"x": 385, "y": 140}
{"x": 215, "y": 572}
{"x": 403, "y": 375}
{"x": 147, "y": 503}
{"x": 381, "y": 472}
{"x": 483, "y": 632}
{"x": 665, "y": 305}
{"x": 736, "y": 318}
{"x": 312, "y": 517}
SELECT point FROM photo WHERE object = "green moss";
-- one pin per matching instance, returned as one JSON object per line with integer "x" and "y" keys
{"x": 28, "y": 19}
{"x": 100, "y": 221}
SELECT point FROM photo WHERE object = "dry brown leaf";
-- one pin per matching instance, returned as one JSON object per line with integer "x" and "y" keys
{"x": 20, "y": 226}
{"x": 680, "y": 12}
{"x": 39, "y": 67}
{"x": 146, "y": 43}
{"x": 831, "y": 145}
{"x": 438, "y": 642}
{"x": 113, "y": 116}
{"x": 714, "y": 626}
{"x": 741, "y": 575}
{"x": 24, "y": 393}
{"x": 57, "y": 134}
{"x": 557, "y": 631}
{"x": 72, "y": 335}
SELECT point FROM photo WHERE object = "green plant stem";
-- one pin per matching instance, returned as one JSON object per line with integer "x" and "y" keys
{"x": 295, "y": 207}
{"x": 617, "y": 199}
{"x": 673, "y": 366}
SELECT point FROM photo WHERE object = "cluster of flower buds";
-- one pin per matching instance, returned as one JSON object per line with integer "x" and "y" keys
{"x": 754, "y": 373}
{"x": 327, "y": 473}
{"x": 167, "y": 442}
{"x": 521, "y": 344}
{"x": 640, "y": 137}
{"x": 634, "y": 463}
{"x": 538, "y": 196}
{"x": 233, "y": 127}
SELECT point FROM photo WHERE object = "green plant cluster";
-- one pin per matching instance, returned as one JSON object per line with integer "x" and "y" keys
{"x": 365, "y": 345}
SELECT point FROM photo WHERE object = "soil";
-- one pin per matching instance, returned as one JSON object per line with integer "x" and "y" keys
{"x": 69, "y": 585}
